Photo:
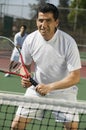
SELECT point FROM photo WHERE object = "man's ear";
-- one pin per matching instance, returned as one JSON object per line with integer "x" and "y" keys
{"x": 57, "y": 23}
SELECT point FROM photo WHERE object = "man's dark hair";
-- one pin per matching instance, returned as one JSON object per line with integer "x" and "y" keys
{"x": 25, "y": 27}
{"x": 45, "y": 8}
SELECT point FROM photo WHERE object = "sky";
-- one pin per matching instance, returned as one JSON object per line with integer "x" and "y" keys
{"x": 14, "y": 8}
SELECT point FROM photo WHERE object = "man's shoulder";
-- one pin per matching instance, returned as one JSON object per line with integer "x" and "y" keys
{"x": 65, "y": 35}
{"x": 33, "y": 34}
{"x": 17, "y": 34}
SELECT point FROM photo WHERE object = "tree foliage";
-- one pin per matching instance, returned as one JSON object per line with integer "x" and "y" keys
{"x": 34, "y": 7}
{"x": 63, "y": 5}
{"x": 77, "y": 13}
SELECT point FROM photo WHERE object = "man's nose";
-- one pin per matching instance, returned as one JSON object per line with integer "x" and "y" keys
{"x": 44, "y": 23}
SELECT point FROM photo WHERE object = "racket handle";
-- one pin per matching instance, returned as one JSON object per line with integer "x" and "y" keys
{"x": 33, "y": 82}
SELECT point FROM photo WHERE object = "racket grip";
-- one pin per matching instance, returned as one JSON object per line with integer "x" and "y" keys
{"x": 33, "y": 82}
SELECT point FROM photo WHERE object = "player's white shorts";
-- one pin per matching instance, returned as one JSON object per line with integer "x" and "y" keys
{"x": 61, "y": 115}
{"x": 15, "y": 55}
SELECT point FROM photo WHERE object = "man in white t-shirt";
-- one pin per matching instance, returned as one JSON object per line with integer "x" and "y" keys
{"x": 18, "y": 40}
{"x": 57, "y": 67}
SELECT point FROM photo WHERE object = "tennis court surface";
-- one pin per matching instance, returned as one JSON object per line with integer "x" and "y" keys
{"x": 12, "y": 95}
{"x": 10, "y": 102}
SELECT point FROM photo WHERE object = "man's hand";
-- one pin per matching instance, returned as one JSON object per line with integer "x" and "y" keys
{"x": 43, "y": 89}
{"x": 25, "y": 82}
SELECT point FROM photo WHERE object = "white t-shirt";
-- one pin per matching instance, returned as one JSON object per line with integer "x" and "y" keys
{"x": 54, "y": 59}
{"x": 18, "y": 40}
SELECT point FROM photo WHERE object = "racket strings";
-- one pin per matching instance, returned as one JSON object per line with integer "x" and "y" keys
{"x": 6, "y": 49}
{"x": 27, "y": 74}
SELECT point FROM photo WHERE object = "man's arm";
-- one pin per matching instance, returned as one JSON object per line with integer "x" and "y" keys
{"x": 25, "y": 81}
{"x": 72, "y": 79}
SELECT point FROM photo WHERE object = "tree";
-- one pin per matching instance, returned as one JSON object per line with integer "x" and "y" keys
{"x": 63, "y": 10}
{"x": 77, "y": 13}
{"x": 34, "y": 7}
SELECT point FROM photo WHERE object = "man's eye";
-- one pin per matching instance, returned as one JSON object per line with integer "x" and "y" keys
{"x": 48, "y": 20}
{"x": 40, "y": 20}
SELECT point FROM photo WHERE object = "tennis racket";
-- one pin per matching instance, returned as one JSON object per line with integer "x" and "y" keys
{"x": 6, "y": 48}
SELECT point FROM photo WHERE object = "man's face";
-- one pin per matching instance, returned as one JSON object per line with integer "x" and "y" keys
{"x": 46, "y": 25}
{"x": 22, "y": 30}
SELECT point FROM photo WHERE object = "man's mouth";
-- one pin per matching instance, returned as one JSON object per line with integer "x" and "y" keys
{"x": 43, "y": 30}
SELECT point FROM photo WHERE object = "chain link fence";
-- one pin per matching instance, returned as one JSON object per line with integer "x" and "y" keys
{"x": 10, "y": 23}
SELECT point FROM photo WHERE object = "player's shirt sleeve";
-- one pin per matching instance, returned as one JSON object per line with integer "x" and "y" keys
{"x": 26, "y": 53}
{"x": 73, "y": 57}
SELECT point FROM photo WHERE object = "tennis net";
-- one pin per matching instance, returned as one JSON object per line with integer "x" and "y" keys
{"x": 10, "y": 101}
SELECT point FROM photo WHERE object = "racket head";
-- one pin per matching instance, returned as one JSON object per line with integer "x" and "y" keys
{"x": 5, "y": 52}
{"x": 6, "y": 49}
